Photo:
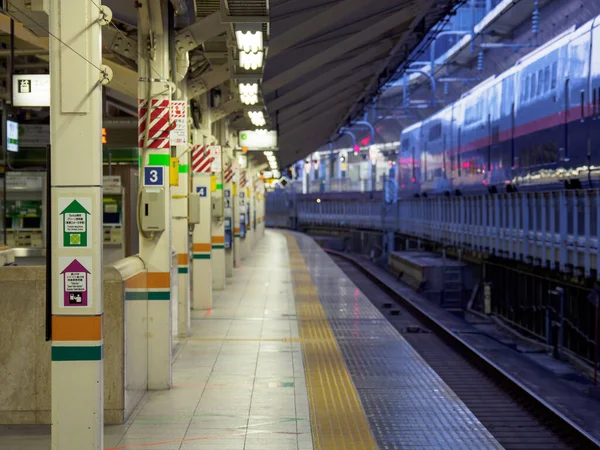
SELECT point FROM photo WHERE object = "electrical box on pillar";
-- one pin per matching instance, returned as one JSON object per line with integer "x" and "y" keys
{"x": 217, "y": 207}
{"x": 174, "y": 171}
{"x": 152, "y": 215}
{"x": 194, "y": 209}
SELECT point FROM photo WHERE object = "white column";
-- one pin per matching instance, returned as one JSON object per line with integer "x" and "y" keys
{"x": 228, "y": 212}
{"x": 156, "y": 247}
{"x": 77, "y": 366}
{"x": 181, "y": 238}
{"x": 201, "y": 247}
{"x": 218, "y": 224}
{"x": 244, "y": 205}
{"x": 237, "y": 211}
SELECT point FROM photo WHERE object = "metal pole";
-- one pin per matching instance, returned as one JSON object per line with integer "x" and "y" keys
{"x": 77, "y": 368}
{"x": 596, "y": 342}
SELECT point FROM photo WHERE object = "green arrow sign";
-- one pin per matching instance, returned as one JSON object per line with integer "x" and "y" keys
{"x": 75, "y": 225}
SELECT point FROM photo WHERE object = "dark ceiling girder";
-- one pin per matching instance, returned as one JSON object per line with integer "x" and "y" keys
{"x": 417, "y": 20}
{"x": 342, "y": 85}
{"x": 321, "y": 81}
{"x": 324, "y": 105}
{"x": 343, "y": 47}
{"x": 317, "y": 23}
{"x": 317, "y": 121}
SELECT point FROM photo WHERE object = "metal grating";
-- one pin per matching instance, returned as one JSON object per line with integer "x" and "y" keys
{"x": 207, "y": 7}
{"x": 248, "y": 7}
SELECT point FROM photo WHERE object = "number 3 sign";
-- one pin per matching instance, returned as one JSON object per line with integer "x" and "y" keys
{"x": 154, "y": 176}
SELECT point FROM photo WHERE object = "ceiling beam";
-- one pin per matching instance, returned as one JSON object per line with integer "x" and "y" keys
{"x": 322, "y": 80}
{"x": 340, "y": 85}
{"x": 315, "y": 122}
{"x": 424, "y": 10}
{"x": 367, "y": 35}
{"x": 225, "y": 110}
{"x": 315, "y": 24}
{"x": 346, "y": 97}
{"x": 208, "y": 81}
{"x": 199, "y": 32}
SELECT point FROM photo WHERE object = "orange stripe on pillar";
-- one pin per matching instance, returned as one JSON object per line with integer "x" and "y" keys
{"x": 76, "y": 328}
{"x": 159, "y": 280}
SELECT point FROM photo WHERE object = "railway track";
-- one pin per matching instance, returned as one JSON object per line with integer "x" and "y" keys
{"x": 516, "y": 418}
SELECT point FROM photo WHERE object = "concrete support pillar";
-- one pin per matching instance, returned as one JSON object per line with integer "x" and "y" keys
{"x": 252, "y": 201}
{"x": 236, "y": 211}
{"x": 181, "y": 241}
{"x": 246, "y": 212}
{"x": 218, "y": 224}
{"x": 77, "y": 367}
{"x": 156, "y": 246}
{"x": 228, "y": 210}
{"x": 201, "y": 246}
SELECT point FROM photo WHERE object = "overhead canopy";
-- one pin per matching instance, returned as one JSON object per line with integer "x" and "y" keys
{"x": 327, "y": 59}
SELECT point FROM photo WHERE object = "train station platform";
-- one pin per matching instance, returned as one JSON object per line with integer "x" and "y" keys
{"x": 292, "y": 356}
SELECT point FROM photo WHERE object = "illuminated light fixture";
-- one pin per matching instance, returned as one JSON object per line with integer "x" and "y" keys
{"x": 249, "y": 93}
{"x": 249, "y": 99}
{"x": 250, "y": 41}
{"x": 251, "y": 61}
{"x": 257, "y": 118}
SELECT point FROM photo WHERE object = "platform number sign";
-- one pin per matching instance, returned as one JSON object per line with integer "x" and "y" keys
{"x": 201, "y": 190}
{"x": 154, "y": 176}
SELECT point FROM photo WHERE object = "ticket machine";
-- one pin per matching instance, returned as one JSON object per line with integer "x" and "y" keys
{"x": 25, "y": 212}
{"x": 113, "y": 219}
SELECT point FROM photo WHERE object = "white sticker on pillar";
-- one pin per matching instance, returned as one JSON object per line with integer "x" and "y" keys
{"x": 75, "y": 282}
{"x": 215, "y": 153}
{"x": 75, "y": 226}
{"x": 179, "y": 134}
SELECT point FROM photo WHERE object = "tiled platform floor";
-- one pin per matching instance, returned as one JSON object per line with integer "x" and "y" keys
{"x": 238, "y": 380}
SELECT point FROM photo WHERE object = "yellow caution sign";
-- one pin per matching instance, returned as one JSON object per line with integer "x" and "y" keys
{"x": 174, "y": 171}
{"x": 213, "y": 183}
{"x": 234, "y": 189}
{"x": 247, "y": 192}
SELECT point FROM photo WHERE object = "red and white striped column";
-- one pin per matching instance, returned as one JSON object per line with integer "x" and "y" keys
{"x": 202, "y": 237}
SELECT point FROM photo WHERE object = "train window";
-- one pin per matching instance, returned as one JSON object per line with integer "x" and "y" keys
{"x": 546, "y": 79}
{"x": 405, "y": 144}
{"x": 540, "y": 81}
{"x": 533, "y": 86}
{"x": 435, "y": 132}
{"x": 554, "y": 75}
{"x": 527, "y": 83}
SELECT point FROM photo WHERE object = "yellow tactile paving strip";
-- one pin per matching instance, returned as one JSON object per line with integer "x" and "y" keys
{"x": 338, "y": 420}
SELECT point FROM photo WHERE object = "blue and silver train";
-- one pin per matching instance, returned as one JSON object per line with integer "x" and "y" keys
{"x": 534, "y": 127}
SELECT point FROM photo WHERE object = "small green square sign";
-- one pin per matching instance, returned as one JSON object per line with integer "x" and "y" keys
{"x": 75, "y": 225}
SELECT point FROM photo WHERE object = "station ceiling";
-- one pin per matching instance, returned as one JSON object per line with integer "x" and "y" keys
{"x": 325, "y": 59}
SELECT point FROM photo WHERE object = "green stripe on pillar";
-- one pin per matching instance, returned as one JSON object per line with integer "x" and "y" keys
{"x": 136, "y": 295}
{"x": 219, "y": 187}
{"x": 236, "y": 235}
{"x": 202, "y": 256}
{"x": 218, "y": 246}
{"x": 77, "y": 353}
{"x": 183, "y": 168}
{"x": 159, "y": 160}
{"x": 183, "y": 270}
{"x": 160, "y": 295}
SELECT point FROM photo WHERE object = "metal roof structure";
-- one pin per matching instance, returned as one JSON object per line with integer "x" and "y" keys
{"x": 327, "y": 59}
